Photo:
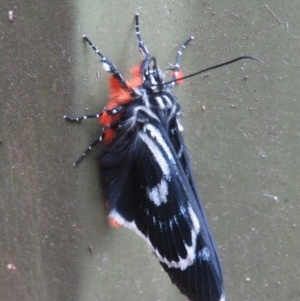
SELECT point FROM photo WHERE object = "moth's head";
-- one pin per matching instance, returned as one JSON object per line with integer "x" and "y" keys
{"x": 153, "y": 77}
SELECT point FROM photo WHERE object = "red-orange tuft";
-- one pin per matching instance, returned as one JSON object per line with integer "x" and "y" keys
{"x": 178, "y": 74}
{"x": 119, "y": 96}
{"x": 109, "y": 135}
{"x": 114, "y": 223}
{"x": 117, "y": 92}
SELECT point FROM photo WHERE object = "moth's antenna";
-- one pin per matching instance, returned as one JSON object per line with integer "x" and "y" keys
{"x": 244, "y": 57}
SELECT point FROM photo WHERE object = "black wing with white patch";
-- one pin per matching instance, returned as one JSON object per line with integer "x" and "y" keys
{"x": 151, "y": 193}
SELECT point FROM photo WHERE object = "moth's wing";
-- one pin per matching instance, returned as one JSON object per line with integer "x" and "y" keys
{"x": 151, "y": 194}
{"x": 176, "y": 138}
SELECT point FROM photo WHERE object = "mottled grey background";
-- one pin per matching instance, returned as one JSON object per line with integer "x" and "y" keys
{"x": 244, "y": 145}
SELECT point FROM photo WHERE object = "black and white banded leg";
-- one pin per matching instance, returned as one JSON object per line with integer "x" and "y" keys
{"x": 86, "y": 152}
{"x": 79, "y": 118}
{"x": 175, "y": 68}
{"x": 91, "y": 146}
{"x": 106, "y": 63}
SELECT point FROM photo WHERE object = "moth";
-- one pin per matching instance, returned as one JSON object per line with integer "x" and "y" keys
{"x": 146, "y": 172}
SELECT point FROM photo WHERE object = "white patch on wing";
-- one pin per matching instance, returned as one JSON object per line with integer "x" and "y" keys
{"x": 179, "y": 125}
{"x": 158, "y": 194}
{"x": 156, "y": 134}
{"x": 204, "y": 254}
{"x": 157, "y": 154}
{"x": 195, "y": 221}
{"x": 222, "y": 297}
{"x": 182, "y": 263}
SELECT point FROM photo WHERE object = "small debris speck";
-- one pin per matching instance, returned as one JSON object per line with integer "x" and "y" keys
{"x": 10, "y": 16}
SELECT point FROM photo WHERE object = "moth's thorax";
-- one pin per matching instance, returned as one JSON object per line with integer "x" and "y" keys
{"x": 154, "y": 107}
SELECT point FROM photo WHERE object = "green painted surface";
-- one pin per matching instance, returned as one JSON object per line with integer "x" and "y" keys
{"x": 244, "y": 146}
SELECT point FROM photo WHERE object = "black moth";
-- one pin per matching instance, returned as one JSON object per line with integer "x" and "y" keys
{"x": 146, "y": 173}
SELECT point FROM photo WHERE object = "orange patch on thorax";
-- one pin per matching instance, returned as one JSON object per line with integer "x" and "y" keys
{"x": 119, "y": 96}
